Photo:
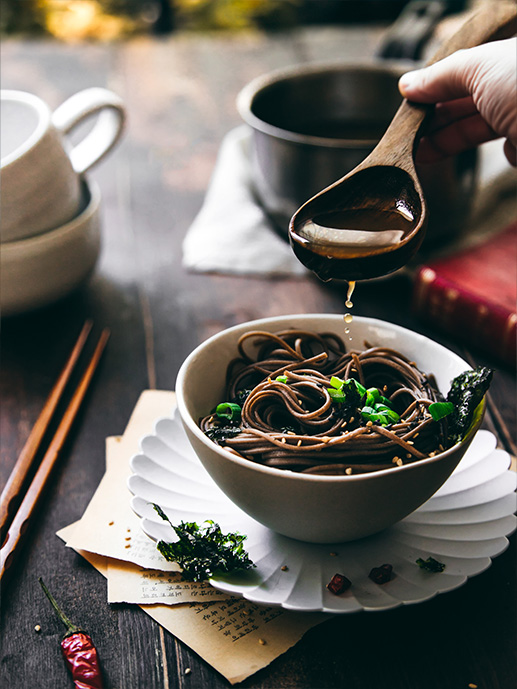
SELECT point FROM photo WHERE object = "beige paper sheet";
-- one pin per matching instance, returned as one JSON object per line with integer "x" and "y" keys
{"x": 236, "y": 637}
{"x": 109, "y": 526}
{"x": 130, "y": 584}
{"x": 121, "y": 536}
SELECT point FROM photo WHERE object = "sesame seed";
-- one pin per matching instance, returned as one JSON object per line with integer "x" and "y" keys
{"x": 352, "y": 419}
{"x": 348, "y": 471}
{"x": 188, "y": 671}
{"x": 410, "y": 442}
{"x": 473, "y": 686}
{"x": 284, "y": 568}
{"x": 299, "y": 443}
{"x": 399, "y": 462}
{"x": 110, "y": 523}
{"x": 409, "y": 455}
{"x": 282, "y": 440}
{"x": 37, "y": 628}
{"x": 369, "y": 423}
{"x": 128, "y": 538}
{"x": 128, "y": 545}
{"x": 395, "y": 460}
{"x": 262, "y": 642}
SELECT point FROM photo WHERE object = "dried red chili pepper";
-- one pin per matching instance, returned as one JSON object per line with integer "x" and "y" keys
{"x": 382, "y": 574}
{"x": 339, "y": 584}
{"x": 78, "y": 651}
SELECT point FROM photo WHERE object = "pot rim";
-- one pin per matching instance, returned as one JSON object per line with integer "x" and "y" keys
{"x": 245, "y": 98}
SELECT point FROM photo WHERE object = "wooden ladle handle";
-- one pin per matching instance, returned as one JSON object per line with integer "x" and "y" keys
{"x": 493, "y": 21}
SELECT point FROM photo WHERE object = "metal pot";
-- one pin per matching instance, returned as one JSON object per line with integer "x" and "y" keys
{"x": 313, "y": 124}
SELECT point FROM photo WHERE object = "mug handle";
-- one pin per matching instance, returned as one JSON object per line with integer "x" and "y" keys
{"x": 106, "y": 131}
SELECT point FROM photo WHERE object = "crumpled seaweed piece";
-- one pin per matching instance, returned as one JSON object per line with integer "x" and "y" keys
{"x": 202, "y": 551}
{"x": 467, "y": 391}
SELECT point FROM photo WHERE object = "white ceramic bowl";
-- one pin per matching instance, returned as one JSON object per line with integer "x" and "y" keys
{"x": 319, "y": 509}
{"x": 39, "y": 270}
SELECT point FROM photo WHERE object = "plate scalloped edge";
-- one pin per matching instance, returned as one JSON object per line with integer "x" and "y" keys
{"x": 464, "y": 525}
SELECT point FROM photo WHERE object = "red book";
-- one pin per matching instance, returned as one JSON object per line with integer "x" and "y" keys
{"x": 472, "y": 295}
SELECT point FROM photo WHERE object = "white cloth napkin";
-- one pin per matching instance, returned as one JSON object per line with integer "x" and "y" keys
{"x": 232, "y": 233}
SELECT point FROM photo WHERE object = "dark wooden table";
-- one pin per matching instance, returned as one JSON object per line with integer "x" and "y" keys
{"x": 180, "y": 95}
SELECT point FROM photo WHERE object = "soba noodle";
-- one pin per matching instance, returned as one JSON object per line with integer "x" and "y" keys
{"x": 290, "y": 420}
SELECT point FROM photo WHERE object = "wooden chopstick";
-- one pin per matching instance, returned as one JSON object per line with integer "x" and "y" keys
{"x": 11, "y": 493}
{"x": 26, "y": 510}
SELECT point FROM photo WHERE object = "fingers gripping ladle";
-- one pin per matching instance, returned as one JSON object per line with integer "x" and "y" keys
{"x": 372, "y": 221}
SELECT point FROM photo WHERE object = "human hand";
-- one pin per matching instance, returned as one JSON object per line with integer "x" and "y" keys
{"x": 475, "y": 92}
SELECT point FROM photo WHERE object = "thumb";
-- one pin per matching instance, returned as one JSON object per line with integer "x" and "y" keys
{"x": 446, "y": 80}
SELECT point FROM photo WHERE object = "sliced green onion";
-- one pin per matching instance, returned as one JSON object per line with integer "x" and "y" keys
{"x": 392, "y": 415}
{"x": 336, "y": 382}
{"x": 372, "y": 396}
{"x": 281, "y": 379}
{"x": 379, "y": 414}
{"x": 228, "y": 410}
{"x": 439, "y": 410}
{"x": 336, "y": 395}
{"x": 379, "y": 406}
{"x": 360, "y": 388}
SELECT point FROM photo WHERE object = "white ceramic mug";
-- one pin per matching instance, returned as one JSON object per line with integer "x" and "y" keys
{"x": 40, "y": 169}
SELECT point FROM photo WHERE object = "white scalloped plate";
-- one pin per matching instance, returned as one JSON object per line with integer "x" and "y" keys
{"x": 463, "y": 525}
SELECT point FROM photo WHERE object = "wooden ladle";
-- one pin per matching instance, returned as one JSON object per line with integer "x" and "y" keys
{"x": 372, "y": 221}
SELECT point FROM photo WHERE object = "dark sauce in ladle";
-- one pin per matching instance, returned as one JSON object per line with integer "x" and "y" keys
{"x": 345, "y": 245}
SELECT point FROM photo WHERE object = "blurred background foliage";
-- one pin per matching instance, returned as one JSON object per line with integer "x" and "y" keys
{"x": 74, "y": 20}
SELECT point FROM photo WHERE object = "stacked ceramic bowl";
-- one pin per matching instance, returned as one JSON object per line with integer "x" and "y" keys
{"x": 50, "y": 213}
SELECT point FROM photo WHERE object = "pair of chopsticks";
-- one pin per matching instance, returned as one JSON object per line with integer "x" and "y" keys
{"x": 18, "y": 503}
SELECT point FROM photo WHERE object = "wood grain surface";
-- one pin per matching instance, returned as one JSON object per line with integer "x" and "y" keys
{"x": 180, "y": 96}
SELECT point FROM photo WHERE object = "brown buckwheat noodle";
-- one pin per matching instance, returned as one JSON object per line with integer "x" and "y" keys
{"x": 295, "y": 424}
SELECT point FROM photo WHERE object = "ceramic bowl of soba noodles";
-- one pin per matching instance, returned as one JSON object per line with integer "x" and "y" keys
{"x": 324, "y": 436}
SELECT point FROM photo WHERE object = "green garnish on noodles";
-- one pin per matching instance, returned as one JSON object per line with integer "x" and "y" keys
{"x": 439, "y": 410}
{"x": 228, "y": 410}
{"x": 370, "y": 403}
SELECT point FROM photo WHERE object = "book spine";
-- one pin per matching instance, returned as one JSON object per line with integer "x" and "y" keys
{"x": 472, "y": 320}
